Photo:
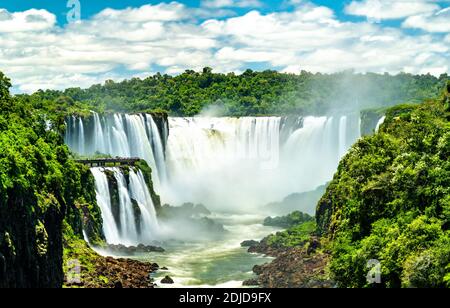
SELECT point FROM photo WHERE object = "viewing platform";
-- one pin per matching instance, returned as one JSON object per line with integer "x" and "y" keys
{"x": 108, "y": 162}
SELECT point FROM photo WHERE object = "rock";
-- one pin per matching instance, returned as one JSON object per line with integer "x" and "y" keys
{"x": 249, "y": 243}
{"x": 201, "y": 209}
{"x": 167, "y": 280}
{"x": 294, "y": 268}
{"x": 314, "y": 244}
{"x": 210, "y": 225}
{"x": 260, "y": 247}
{"x": 251, "y": 282}
{"x": 2, "y": 264}
{"x": 258, "y": 269}
{"x": 108, "y": 272}
{"x": 164, "y": 268}
{"x": 131, "y": 250}
{"x": 155, "y": 265}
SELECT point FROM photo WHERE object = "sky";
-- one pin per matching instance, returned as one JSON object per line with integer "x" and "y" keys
{"x": 56, "y": 44}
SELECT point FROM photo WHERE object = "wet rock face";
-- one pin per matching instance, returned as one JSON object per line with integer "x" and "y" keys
{"x": 369, "y": 120}
{"x": 162, "y": 122}
{"x": 251, "y": 282}
{"x": 114, "y": 195}
{"x": 2, "y": 265}
{"x": 249, "y": 243}
{"x": 293, "y": 268}
{"x": 30, "y": 242}
{"x": 131, "y": 250}
{"x": 167, "y": 280}
{"x": 118, "y": 273}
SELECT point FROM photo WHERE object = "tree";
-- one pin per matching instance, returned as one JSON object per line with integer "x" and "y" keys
{"x": 5, "y": 84}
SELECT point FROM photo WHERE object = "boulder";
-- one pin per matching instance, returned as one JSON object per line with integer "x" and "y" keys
{"x": 249, "y": 243}
{"x": 250, "y": 282}
{"x": 258, "y": 269}
{"x": 167, "y": 280}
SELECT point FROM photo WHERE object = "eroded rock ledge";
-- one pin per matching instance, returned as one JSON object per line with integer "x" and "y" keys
{"x": 293, "y": 267}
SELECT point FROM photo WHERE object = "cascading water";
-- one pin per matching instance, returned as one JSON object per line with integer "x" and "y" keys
{"x": 224, "y": 163}
{"x": 122, "y": 135}
{"x": 343, "y": 135}
{"x": 380, "y": 122}
{"x": 130, "y": 220}
{"x": 234, "y": 166}
{"x": 240, "y": 163}
{"x": 104, "y": 202}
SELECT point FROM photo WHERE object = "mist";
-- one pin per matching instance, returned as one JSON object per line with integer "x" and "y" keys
{"x": 240, "y": 165}
{"x": 229, "y": 165}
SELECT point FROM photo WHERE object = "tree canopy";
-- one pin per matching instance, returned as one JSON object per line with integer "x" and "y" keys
{"x": 390, "y": 201}
{"x": 250, "y": 93}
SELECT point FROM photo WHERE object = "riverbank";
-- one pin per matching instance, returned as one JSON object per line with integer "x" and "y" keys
{"x": 220, "y": 262}
{"x": 303, "y": 266}
{"x": 84, "y": 268}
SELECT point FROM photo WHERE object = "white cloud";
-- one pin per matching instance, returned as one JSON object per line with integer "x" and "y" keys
{"x": 231, "y": 3}
{"x": 390, "y": 9}
{"x": 437, "y": 22}
{"x": 160, "y": 12}
{"x": 116, "y": 44}
{"x": 31, "y": 20}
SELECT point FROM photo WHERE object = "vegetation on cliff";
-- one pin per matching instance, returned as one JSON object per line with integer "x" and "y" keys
{"x": 250, "y": 93}
{"x": 296, "y": 236}
{"x": 84, "y": 268}
{"x": 389, "y": 201}
{"x": 288, "y": 221}
{"x": 40, "y": 190}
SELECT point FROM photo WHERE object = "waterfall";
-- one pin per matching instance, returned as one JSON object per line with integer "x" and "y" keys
{"x": 128, "y": 228}
{"x": 122, "y": 135}
{"x": 81, "y": 144}
{"x": 140, "y": 193}
{"x": 239, "y": 163}
{"x": 129, "y": 216}
{"x": 380, "y": 122}
{"x": 158, "y": 148}
{"x": 104, "y": 202}
{"x": 224, "y": 163}
{"x": 99, "y": 139}
{"x": 343, "y": 136}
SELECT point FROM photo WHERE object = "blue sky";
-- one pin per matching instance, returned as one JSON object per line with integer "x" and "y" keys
{"x": 119, "y": 39}
{"x": 92, "y": 7}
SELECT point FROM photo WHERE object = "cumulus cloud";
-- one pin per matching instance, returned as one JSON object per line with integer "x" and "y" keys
{"x": 116, "y": 44}
{"x": 231, "y": 3}
{"x": 160, "y": 12}
{"x": 390, "y": 9}
{"x": 31, "y": 20}
{"x": 437, "y": 22}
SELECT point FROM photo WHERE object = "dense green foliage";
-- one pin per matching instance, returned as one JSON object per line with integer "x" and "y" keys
{"x": 251, "y": 93}
{"x": 295, "y": 236}
{"x": 39, "y": 188}
{"x": 288, "y": 221}
{"x": 390, "y": 201}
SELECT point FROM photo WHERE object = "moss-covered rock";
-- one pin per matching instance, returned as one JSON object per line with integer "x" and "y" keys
{"x": 84, "y": 268}
{"x": 147, "y": 173}
{"x": 369, "y": 120}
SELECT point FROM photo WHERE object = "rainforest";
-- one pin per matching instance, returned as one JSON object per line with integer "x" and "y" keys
{"x": 194, "y": 194}
{"x": 225, "y": 144}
